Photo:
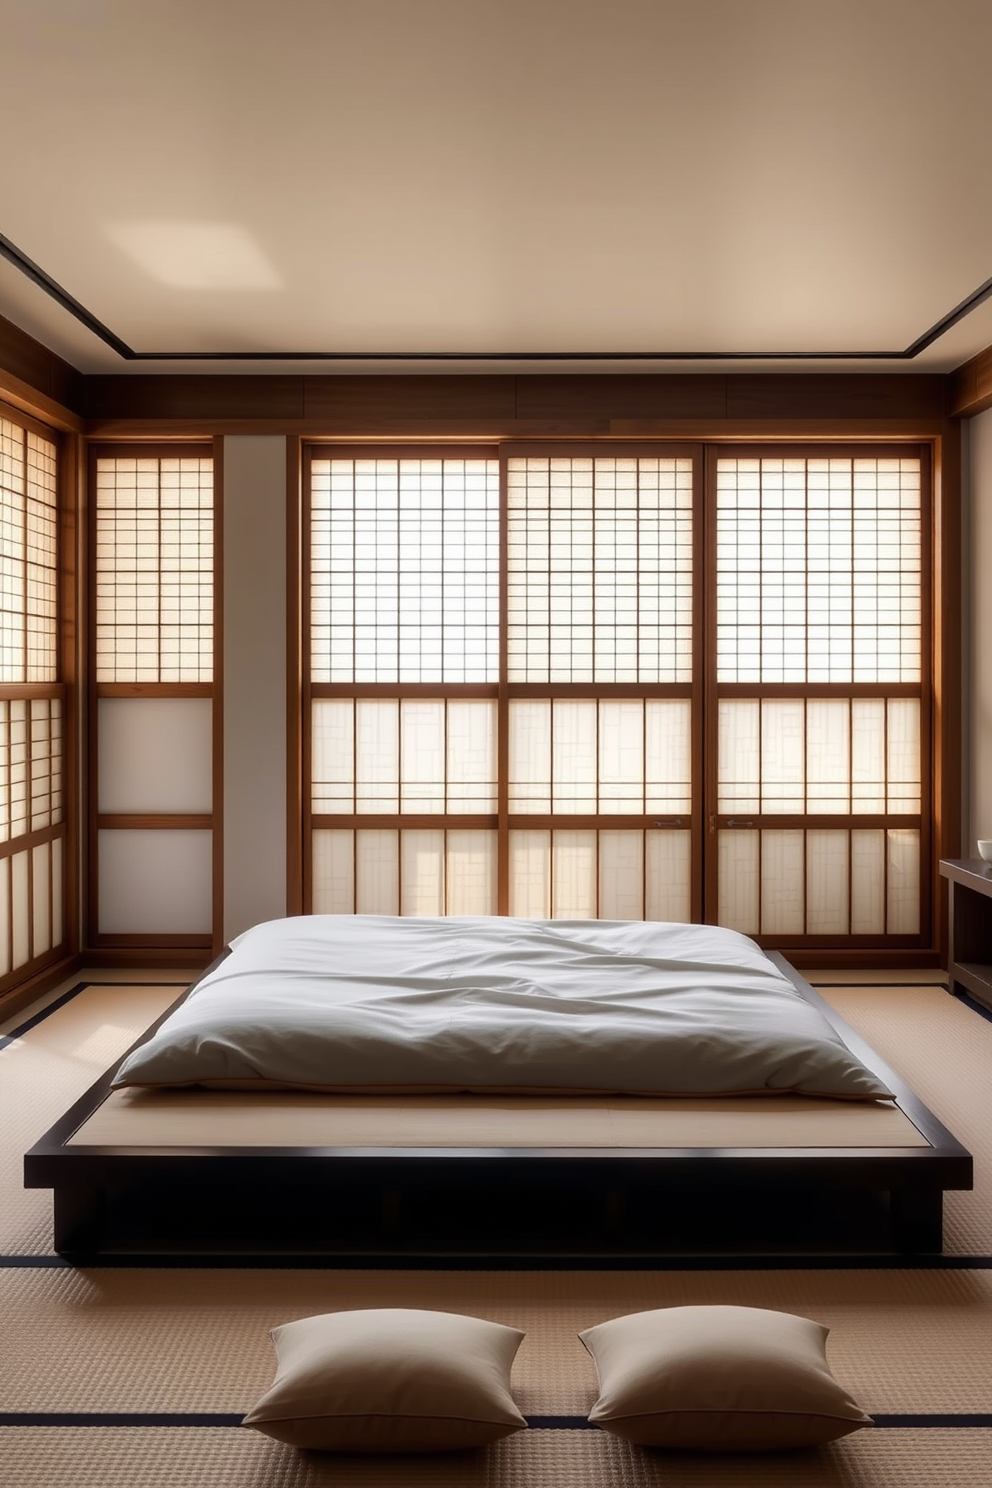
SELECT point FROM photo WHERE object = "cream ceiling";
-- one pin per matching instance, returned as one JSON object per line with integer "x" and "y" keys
{"x": 371, "y": 177}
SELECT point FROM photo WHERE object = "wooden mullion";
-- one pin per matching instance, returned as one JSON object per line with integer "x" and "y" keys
{"x": 404, "y": 689}
{"x": 154, "y": 689}
{"x": 217, "y": 702}
{"x": 711, "y": 695}
{"x": 822, "y": 821}
{"x": 400, "y": 820}
{"x": 701, "y": 583}
{"x": 297, "y": 710}
{"x": 596, "y": 821}
{"x": 503, "y": 700}
{"x": 301, "y": 672}
{"x": 819, "y": 689}
{"x": 27, "y": 841}
{"x": 929, "y": 882}
{"x": 157, "y": 821}
{"x": 91, "y": 845}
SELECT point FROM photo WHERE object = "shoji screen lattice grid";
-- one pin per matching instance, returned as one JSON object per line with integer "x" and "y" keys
{"x": 152, "y": 703}
{"x": 820, "y": 733}
{"x": 154, "y": 569}
{"x": 32, "y": 817}
{"x": 542, "y": 766}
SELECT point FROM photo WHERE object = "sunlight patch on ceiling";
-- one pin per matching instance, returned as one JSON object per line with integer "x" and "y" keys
{"x": 196, "y": 255}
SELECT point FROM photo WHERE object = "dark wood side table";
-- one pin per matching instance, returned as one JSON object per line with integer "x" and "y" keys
{"x": 970, "y": 964}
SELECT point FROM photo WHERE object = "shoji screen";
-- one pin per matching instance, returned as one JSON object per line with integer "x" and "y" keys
{"x": 33, "y": 855}
{"x": 819, "y": 727}
{"x": 503, "y": 683}
{"x": 601, "y": 667}
{"x": 152, "y": 716}
{"x": 403, "y": 682}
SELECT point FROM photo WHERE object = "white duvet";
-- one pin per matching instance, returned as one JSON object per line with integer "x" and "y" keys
{"x": 376, "y": 1003}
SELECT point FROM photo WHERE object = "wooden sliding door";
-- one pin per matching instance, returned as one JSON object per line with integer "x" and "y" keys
{"x": 35, "y": 912}
{"x": 153, "y": 702}
{"x": 501, "y": 697}
{"x": 622, "y": 681}
{"x": 818, "y": 707}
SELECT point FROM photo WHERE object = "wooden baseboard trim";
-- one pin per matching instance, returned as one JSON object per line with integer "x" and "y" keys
{"x": 36, "y": 986}
{"x": 169, "y": 958}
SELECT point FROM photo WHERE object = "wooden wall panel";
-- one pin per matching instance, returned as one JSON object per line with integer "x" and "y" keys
{"x": 488, "y": 407}
{"x": 835, "y": 395}
{"x": 198, "y": 396}
{"x": 28, "y": 360}
{"x": 361, "y": 401}
{"x": 969, "y": 387}
{"x": 606, "y": 397}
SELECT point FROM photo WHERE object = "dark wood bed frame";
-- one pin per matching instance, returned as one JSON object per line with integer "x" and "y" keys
{"x": 340, "y": 1205}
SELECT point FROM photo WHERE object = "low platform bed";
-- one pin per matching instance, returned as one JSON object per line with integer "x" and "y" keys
{"x": 178, "y": 1175}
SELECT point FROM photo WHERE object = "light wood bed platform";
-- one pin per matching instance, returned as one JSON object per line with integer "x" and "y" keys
{"x": 184, "y": 1174}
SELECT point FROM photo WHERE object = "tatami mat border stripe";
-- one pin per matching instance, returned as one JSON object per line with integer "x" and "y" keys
{"x": 213, "y": 1420}
{"x": 60, "y": 1002}
{"x": 846, "y": 986}
{"x": 363, "y": 1261}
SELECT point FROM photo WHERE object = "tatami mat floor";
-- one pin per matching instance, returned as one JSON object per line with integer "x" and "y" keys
{"x": 137, "y": 1377}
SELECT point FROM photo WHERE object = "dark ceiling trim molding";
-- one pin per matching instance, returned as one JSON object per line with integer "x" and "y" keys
{"x": 54, "y": 290}
{"x": 79, "y": 312}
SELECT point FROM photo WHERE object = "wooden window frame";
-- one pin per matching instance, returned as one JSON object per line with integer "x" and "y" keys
{"x": 923, "y": 690}
{"x": 938, "y": 655}
{"x": 63, "y": 689}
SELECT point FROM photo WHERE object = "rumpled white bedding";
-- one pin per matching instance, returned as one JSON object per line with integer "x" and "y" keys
{"x": 377, "y": 1003}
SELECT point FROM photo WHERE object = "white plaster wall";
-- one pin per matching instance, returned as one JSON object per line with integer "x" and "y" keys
{"x": 978, "y": 631}
{"x": 254, "y": 680}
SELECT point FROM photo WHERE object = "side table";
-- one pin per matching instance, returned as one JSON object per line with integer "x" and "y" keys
{"x": 970, "y": 963}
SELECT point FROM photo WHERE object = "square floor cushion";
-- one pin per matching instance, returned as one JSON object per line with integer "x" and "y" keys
{"x": 390, "y": 1380}
{"x": 728, "y": 1379}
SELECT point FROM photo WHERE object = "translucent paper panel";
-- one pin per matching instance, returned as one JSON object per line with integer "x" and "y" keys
{"x": 154, "y": 570}
{"x": 20, "y": 910}
{"x": 530, "y": 875}
{"x": 585, "y": 756}
{"x": 333, "y": 872}
{"x": 828, "y": 888}
{"x": 868, "y": 850}
{"x": 820, "y": 881}
{"x": 404, "y": 582}
{"x": 58, "y": 893}
{"x": 739, "y": 881}
{"x": 41, "y": 898}
{"x": 155, "y": 882}
{"x": 471, "y": 872}
{"x": 793, "y": 756}
{"x": 783, "y": 873}
{"x": 607, "y": 875}
{"x": 31, "y": 754}
{"x": 28, "y": 556}
{"x": 411, "y": 754}
{"x": 5, "y": 932}
{"x": 410, "y": 872}
{"x": 574, "y": 879}
{"x": 155, "y": 754}
{"x": 667, "y": 869}
{"x": 819, "y": 570}
{"x": 903, "y": 887}
{"x": 600, "y": 569}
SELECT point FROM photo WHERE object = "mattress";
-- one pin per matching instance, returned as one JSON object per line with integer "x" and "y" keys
{"x": 499, "y": 1005}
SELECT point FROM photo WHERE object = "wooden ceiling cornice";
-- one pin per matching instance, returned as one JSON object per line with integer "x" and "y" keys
{"x": 482, "y": 406}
